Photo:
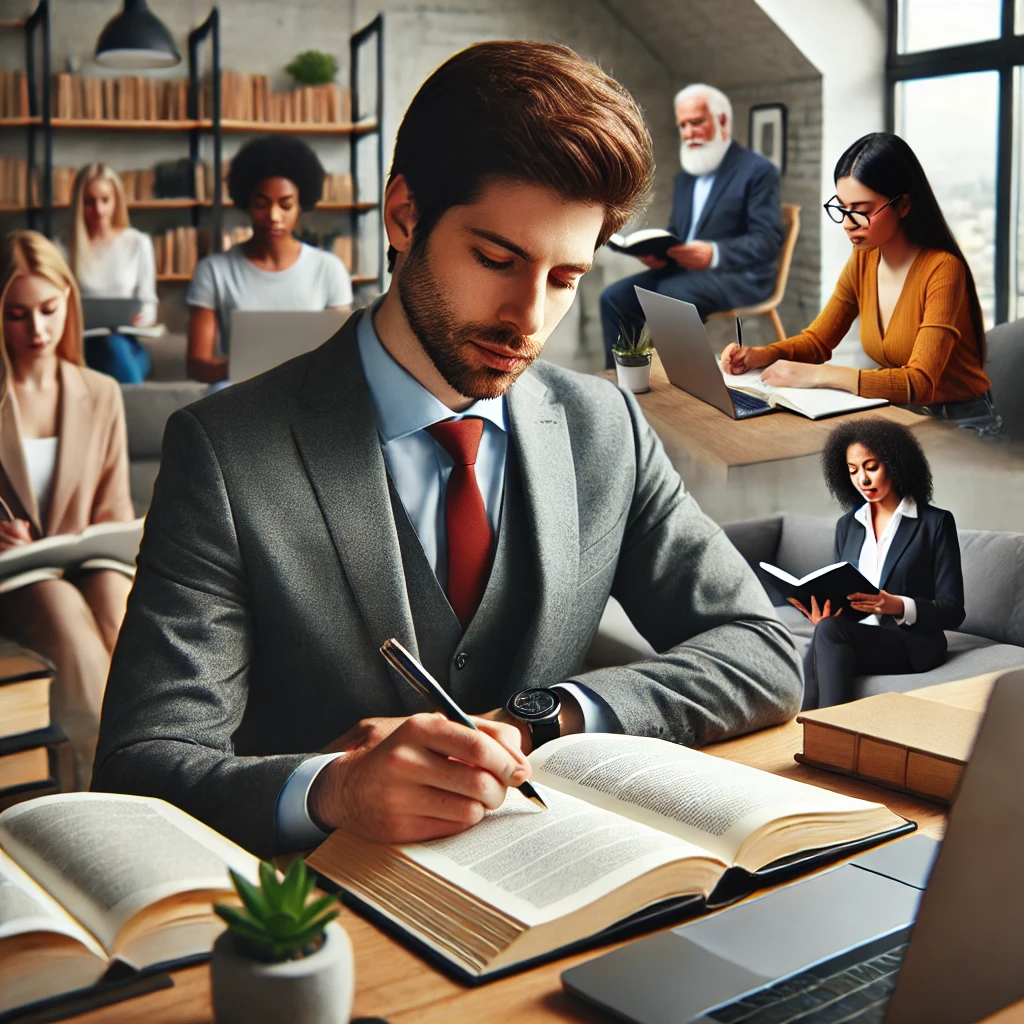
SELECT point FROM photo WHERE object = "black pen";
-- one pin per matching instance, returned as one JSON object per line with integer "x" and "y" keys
{"x": 421, "y": 680}
{"x": 739, "y": 332}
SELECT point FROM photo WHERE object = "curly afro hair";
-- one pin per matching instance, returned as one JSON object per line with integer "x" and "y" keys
{"x": 276, "y": 157}
{"x": 895, "y": 446}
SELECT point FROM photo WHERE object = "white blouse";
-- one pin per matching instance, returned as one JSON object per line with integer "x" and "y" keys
{"x": 123, "y": 268}
{"x": 41, "y": 460}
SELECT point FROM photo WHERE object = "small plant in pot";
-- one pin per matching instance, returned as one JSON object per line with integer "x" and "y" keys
{"x": 632, "y": 351}
{"x": 283, "y": 957}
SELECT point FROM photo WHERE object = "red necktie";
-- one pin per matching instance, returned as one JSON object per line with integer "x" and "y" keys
{"x": 465, "y": 517}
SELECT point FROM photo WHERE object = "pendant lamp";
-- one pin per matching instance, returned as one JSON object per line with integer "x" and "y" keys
{"x": 136, "y": 38}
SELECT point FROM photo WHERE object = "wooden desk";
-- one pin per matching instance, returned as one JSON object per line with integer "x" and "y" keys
{"x": 707, "y": 434}
{"x": 393, "y": 983}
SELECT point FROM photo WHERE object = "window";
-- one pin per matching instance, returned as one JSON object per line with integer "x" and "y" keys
{"x": 956, "y": 95}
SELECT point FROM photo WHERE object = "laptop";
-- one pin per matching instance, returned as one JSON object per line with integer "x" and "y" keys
{"x": 263, "y": 339}
{"x": 685, "y": 351}
{"x": 844, "y": 945}
{"x": 110, "y": 314}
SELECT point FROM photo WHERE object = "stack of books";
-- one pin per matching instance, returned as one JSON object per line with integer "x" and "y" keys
{"x": 13, "y": 94}
{"x": 247, "y": 97}
{"x": 177, "y": 251}
{"x": 125, "y": 98}
{"x": 33, "y": 751}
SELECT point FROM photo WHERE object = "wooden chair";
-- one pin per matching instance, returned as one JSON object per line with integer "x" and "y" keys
{"x": 769, "y": 308}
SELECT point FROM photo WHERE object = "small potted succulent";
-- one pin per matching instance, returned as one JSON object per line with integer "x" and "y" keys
{"x": 282, "y": 957}
{"x": 632, "y": 351}
{"x": 313, "y": 67}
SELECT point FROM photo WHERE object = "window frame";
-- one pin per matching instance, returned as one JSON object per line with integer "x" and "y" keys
{"x": 1002, "y": 55}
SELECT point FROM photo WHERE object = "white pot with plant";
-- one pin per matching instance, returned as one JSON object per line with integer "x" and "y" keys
{"x": 282, "y": 957}
{"x": 632, "y": 351}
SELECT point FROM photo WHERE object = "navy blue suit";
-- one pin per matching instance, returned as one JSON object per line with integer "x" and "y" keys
{"x": 923, "y": 562}
{"x": 742, "y": 217}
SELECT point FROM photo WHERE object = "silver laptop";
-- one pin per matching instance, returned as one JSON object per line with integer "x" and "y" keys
{"x": 263, "y": 339}
{"x": 685, "y": 351}
{"x": 844, "y": 945}
{"x": 99, "y": 313}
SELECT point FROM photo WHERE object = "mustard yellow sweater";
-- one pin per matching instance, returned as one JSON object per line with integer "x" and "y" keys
{"x": 929, "y": 352}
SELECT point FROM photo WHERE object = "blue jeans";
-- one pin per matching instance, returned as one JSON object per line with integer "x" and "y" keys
{"x": 118, "y": 356}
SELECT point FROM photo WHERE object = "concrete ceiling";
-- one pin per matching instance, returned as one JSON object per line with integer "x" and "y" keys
{"x": 722, "y": 42}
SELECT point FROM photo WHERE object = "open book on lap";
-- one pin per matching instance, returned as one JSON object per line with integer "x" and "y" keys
{"x": 814, "y": 403}
{"x": 645, "y": 242}
{"x": 101, "y": 546}
{"x": 93, "y": 880}
{"x": 833, "y": 583}
{"x": 633, "y": 824}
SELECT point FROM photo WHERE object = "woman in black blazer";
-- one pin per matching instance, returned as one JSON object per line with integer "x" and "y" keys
{"x": 905, "y": 546}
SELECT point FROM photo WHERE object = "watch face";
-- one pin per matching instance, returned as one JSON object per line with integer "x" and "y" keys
{"x": 534, "y": 704}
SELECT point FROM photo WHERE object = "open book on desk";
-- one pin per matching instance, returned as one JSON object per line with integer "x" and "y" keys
{"x": 88, "y": 880}
{"x": 101, "y": 546}
{"x": 634, "y": 826}
{"x": 814, "y": 403}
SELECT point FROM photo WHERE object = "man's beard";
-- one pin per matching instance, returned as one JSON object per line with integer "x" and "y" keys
{"x": 447, "y": 341}
{"x": 705, "y": 158}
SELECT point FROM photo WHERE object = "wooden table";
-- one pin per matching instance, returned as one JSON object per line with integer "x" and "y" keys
{"x": 393, "y": 983}
{"x": 708, "y": 435}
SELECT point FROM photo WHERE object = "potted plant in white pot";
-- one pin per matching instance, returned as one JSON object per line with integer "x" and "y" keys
{"x": 282, "y": 957}
{"x": 632, "y": 351}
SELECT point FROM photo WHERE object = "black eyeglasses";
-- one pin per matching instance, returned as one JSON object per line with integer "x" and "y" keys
{"x": 859, "y": 218}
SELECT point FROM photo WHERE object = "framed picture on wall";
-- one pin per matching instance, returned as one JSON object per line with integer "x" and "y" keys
{"x": 768, "y": 132}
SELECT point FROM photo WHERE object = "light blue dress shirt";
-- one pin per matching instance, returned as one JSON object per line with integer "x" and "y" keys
{"x": 701, "y": 190}
{"x": 419, "y": 468}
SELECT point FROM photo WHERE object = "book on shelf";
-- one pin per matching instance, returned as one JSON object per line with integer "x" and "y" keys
{"x": 101, "y": 546}
{"x": 645, "y": 242}
{"x": 14, "y": 94}
{"x": 814, "y": 403}
{"x": 897, "y": 740}
{"x": 25, "y": 679}
{"x": 832, "y": 583}
{"x": 248, "y": 98}
{"x": 94, "y": 884}
{"x": 634, "y": 826}
{"x": 28, "y": 761}
{"x": 119, "y": 98}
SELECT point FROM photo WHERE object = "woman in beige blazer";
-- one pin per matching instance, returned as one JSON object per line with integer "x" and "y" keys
{"x": 63, "y": 467}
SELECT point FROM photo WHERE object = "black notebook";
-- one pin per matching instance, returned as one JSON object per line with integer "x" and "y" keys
{"x": 637, "y": 831}
{"x": 833, "y": 583}
{"x": 645, "y": 242}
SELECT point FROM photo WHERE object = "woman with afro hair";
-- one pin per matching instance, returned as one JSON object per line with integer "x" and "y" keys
{"x": 273, "y": 179}
{"x": 905, "y": 546}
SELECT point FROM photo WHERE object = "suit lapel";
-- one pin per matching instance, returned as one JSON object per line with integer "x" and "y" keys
{"x": 340, "y": 449}
{"x": 904, "y": 534}
{"x": 726, "y": 170}
{"x": 541, "y": 439}
{"x": 854, "y": 542}
{"x": 685, "y": 203}
{"x": 76, "y": 420}
{"x": 12, "y": 457}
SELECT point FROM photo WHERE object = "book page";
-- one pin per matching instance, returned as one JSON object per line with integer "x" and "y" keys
{"x": 708, "y": 801}
{"x": 539, "y": 865}
{"x": 817, "y": 402}
{"x": 104, "y": 857}
{"x": 25, "y": 907}
{"x": 749, "y": 382}
{"x": 118, "y": 541}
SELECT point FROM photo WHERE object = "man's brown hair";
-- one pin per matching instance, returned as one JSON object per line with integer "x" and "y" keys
{"x": 531, "y": 112}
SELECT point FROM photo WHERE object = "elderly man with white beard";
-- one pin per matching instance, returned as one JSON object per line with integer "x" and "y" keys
{"x": 725, "y": 207}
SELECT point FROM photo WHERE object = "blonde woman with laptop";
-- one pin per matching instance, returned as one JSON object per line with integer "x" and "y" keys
{"x": 111, "y": 260}
{"x": 63, "y": 467}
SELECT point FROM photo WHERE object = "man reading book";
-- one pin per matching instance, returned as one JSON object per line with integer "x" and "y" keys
{"x": 421, "y": 477}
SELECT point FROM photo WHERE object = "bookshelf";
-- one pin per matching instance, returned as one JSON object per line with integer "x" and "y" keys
{"x": 40, "y": 124}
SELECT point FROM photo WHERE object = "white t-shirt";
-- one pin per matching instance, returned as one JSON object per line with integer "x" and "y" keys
{"x": 123, "y": 268}
{"x": 227, "y": 280}
{"x": 41, "y": 462}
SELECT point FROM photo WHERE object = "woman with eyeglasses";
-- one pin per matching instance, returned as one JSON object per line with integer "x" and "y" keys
{"x": 907, "y": 279}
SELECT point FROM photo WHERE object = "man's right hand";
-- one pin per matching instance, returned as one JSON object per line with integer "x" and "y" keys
{"x": 742, "y": 358}
{"x": 653, "y": 262}
{"x": 413, "y": 779}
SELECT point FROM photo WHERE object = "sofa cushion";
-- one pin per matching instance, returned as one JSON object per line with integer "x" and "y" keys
{"x": 993, "y": 565}
{"x": 958, "y": 665}
{"x": 148, "y": 406}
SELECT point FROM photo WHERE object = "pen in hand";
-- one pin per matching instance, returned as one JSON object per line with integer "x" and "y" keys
{"x": 422, "y": 681}
{"x": 739, "y": 332}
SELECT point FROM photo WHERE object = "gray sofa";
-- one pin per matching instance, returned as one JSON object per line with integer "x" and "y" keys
{"x": 991, "y": 636}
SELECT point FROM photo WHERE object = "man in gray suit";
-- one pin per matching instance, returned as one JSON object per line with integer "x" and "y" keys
{"x": 420, "y": 477}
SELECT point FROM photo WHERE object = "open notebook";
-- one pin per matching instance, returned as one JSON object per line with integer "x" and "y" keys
{"x": 814, "y": 403}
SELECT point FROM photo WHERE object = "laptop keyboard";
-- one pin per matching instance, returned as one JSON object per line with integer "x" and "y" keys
{"x": 747, "y": 405}
{"x": 822, "y": 995}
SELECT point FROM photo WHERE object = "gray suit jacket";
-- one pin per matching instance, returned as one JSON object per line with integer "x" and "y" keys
{"x": 270, "y": 572}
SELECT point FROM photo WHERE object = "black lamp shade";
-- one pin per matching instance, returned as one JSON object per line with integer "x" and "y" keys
{"x": 136, "y": 39}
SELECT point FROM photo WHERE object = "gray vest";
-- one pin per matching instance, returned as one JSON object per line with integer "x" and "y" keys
{"x": 474, "y": 667}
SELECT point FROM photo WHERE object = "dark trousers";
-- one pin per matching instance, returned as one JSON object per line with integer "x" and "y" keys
{"x": 708, "y": 290}
{"x": 121, "y": 357}
{"x": 842, "y": 649}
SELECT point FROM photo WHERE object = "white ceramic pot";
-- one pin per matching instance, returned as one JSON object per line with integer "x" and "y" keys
{"x": 633, "y": 378}
{"x": 317, "y": 989}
